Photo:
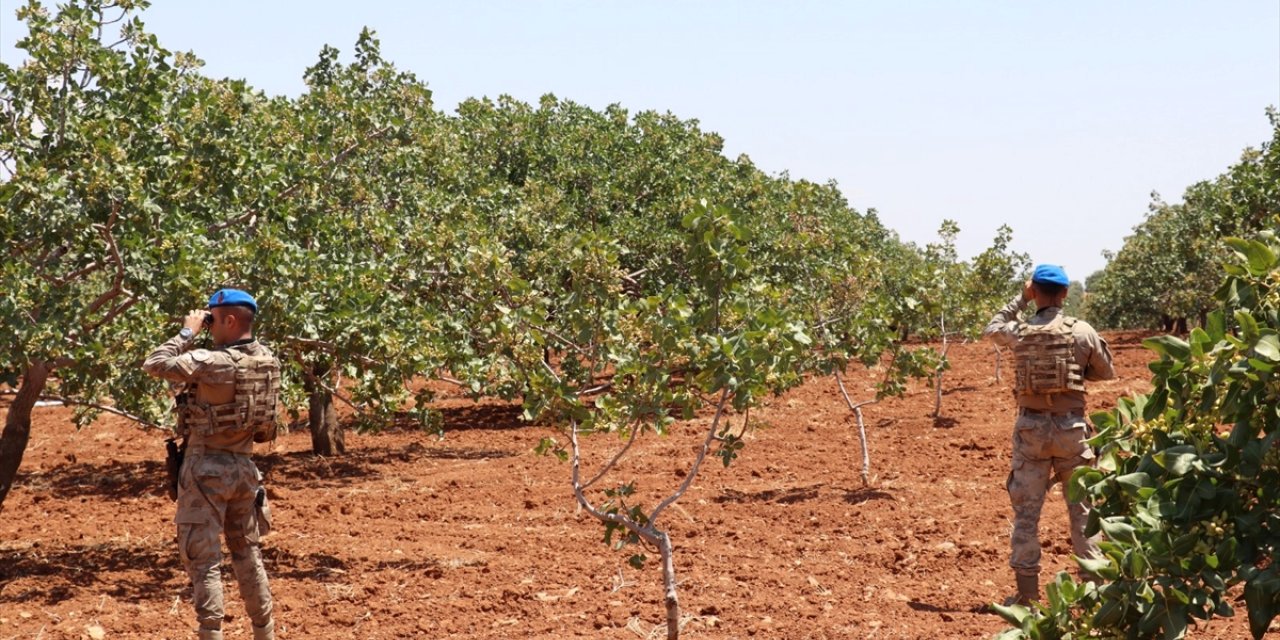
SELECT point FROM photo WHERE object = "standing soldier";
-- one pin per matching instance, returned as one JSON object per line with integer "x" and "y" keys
{"x": 228, "y": 403}
{"x": 1054, "y": 354}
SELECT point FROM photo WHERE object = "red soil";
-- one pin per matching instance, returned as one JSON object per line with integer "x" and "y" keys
{"x": 475, "y": 536}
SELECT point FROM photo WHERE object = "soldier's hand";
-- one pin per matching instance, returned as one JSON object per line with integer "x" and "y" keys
{"x": 195, "y": 320}
{"x": 1028, "y": 292}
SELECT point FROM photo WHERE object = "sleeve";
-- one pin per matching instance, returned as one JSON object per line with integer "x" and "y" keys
{"x": 173, "y": 361}
{"x": 1100, "y": 365}
{"x": 1003, "y": 328}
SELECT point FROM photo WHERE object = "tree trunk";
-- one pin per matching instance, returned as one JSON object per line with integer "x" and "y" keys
{"x": 937, "y": 378}
{"x": 866, "y": 453}
{"x": 669, "y": 581}
{"x": 937, "y": 394}
{"x": 17, "y": 425}
{"x": 327, "y": 438}
{"x": 942, "y": 363}
{"x": 862, "y": 428}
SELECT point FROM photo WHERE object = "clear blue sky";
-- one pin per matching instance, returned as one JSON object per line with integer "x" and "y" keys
{"x": 1057, "y": 118}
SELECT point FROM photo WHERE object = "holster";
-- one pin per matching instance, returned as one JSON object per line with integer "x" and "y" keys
{"x": 263, "y": 511}
{"x": 174, "y": 453}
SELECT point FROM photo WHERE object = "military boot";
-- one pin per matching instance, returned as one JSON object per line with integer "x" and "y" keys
{"x": 266, "y": 632}
{"x": 1028, "y": 590}
{"x": 210, "y": 634}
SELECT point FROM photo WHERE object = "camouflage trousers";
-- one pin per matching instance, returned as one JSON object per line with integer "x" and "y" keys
{"x": 216, "y": 494}
{"x": 1046, "y": 449}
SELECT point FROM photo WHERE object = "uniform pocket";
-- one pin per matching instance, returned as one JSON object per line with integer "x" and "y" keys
{"x": 1017, "y": 464}
{"x": 184, "y": 539}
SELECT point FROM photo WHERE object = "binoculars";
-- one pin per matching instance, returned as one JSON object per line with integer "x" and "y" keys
{"x": 208, "y": 319}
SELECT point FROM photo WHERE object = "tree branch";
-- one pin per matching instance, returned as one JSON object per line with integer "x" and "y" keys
{"x": 333, "y": 392}
{"x": 62, "y": 281}
{"x": 117, "y": 283}
{"x": 565, "y": 341}
{"x": 117, "y": 310}
{"x": 142, "y": 422}
{"x": 635, "y": 429}
{"x": 645, "y": 533}
{"x": 631, "y": 277}
{"x": 330, "y": 348}
{"x": 702, "y": 454}
{"x": 453, "y": 381}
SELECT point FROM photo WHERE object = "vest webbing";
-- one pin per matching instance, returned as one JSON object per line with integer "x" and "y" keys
{"x": 1046, "y": 359}
{"x": 253, "y": 408}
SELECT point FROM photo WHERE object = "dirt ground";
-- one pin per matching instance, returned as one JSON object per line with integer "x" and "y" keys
{"x": 475, "y": 536}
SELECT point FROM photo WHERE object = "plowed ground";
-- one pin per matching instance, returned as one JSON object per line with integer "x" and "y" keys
{"x": 475, "y": 536}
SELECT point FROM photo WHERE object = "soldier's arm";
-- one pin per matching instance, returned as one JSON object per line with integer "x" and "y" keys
{"x": 1004, "y": 326}
{"x": 1100, "y": 365}
{"x": 172, "y": 361}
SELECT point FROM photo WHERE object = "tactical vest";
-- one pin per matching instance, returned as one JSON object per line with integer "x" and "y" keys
{"x": 253, "y": 409}
{"x": 1045, "y": 355}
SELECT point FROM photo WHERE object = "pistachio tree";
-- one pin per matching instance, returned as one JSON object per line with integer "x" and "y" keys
{"x": 724, "y": 345}
{"x": 956, "y": 297}
{"x": 342, "y": 259}
{"x": 102, "y": 208}
{"x": 1165, "y": 274}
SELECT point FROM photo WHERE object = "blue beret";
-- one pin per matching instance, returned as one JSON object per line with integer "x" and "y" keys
{"x": 230, "y": 297}
{"x": 1050, "y": 274}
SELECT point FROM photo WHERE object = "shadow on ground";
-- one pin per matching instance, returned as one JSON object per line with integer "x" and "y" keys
{"x": 483, "y": 416}
{"x": 781, "y": 496}
{"x": 110, "y": 480}
{"x": 64, "y": 571}
{"x": 866, "y": 494}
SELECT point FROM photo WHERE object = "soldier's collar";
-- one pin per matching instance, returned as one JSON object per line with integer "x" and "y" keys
{"x": 239, "y": 343}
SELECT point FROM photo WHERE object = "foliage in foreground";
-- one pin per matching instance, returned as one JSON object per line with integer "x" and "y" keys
{"x": 1187, "y": 489}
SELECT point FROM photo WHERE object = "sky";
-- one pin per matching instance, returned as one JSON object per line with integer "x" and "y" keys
{"x": 1059, "y": 119}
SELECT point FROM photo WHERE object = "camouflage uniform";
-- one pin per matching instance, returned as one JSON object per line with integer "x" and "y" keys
{"x": 1049, "y": 434}
{"x": 218, "y": 484}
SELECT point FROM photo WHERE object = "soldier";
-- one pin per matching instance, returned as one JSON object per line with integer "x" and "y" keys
{"x": 227, "y": 403}
{"x": 1054, "y": 354}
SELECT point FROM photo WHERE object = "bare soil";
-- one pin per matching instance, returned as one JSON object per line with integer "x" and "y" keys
{"x": 475, "y": 536}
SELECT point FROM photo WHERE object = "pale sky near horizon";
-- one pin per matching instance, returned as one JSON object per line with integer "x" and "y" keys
{"x": 1058, "y": 119}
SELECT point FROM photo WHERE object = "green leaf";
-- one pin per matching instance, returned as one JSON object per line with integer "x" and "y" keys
{"x": 1171, "y": 346}
{"x": 1260, "y": 258}
{"x": 1103, "y": 567}
{"x": 1248, "y": 326}
{"x": 1081, "y": 479}
{"x": 1119, "y": 530}
{"x": 1104, "y": 419}
{"x": 1268, "y": 346}
{"x": 1015, "y": 614}
{"x": 1177, "y": 460}
{"x": 1215, "y": 325}
{"x": 1135, "y": 481}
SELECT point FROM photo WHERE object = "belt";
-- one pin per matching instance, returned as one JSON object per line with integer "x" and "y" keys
{"x": 1027, "y": 411}
{"x": 199, "y": 448}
